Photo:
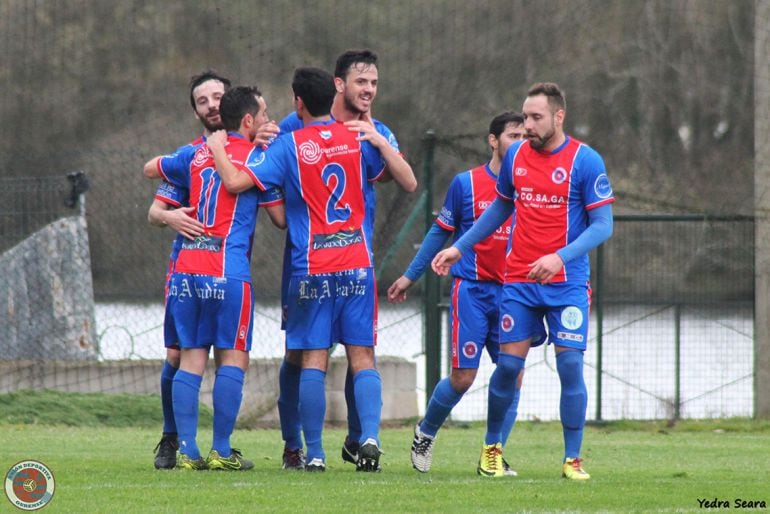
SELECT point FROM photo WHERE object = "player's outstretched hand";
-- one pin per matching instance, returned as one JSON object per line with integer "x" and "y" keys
{"x": 266, "y": 133}
{"x": 397, "y": 290}
{"x": 444, "y": 260}
{"x": 182, "y": 221}
{"x": 543, "y": 269}
{"x": 217, "y": 140}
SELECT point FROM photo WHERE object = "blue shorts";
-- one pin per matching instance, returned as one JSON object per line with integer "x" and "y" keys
{"x": 211, "y": 311}
{"x": 473, "y": 326}
{"x": 565, "y": 307}
{"x": 332, "y": 307}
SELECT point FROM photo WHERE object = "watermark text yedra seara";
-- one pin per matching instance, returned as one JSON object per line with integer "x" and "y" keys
{"x": 735, "y": 503}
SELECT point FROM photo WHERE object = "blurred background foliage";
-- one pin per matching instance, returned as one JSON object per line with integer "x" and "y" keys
{"x": 662, "y": 89}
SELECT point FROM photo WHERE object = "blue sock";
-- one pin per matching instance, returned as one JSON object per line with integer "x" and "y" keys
{"x": 354, "y": 423}
{"x": 166, "y": 399}
{"x": 288, "y": 405}
{"x": 510, "y": 416}
{"x": 502, "y": 387}
{"x": 574, "y": 400}
{"x": 441, "y": 403}
{"x": 226, "y": 396}
{"x": 185, "y": 392}
{"x": 368, "y": 389}
{"x": 312, "y": 409}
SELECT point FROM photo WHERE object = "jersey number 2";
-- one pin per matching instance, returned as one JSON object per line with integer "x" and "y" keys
{"x": 335, "y": 211}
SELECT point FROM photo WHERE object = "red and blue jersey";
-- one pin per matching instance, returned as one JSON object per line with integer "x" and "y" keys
{"x": 324, "y": 172}
{"x": 224, "y": 250}
{"x": 293, "y": 122}
{"x": 469, "y": 195}
{"x": 552, "y": 193}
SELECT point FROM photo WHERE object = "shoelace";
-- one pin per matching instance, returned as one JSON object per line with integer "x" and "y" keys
{"x": 164, "y": 441}
{"x": 294, "y": 456}
{"x": 577, "y": 464}
{"x": 491, "y": 452}
{"x": 422, "y": 445}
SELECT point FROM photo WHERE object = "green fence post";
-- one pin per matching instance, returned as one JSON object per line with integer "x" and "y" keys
{"x": 432, "y": 317}
{"x": 599, "y": 301}
{"x": 677, "y": 360}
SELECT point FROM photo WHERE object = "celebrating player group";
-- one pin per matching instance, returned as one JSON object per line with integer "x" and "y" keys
{"x": 522, "y": 226}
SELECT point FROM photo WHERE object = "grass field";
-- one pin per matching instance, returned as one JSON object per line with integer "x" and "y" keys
{"x": 636, "y": 467}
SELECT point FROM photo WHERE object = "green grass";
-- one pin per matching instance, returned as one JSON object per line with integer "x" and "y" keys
{"x": 636, "y": 467}
{"x": 85, "y": 410}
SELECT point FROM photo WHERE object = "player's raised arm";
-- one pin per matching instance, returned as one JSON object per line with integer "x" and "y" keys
{"x": 266, "y": 134}
{"x": 151, "y": 168}
{"x": 234, "y": 180}
{"x": 396, "y": 165}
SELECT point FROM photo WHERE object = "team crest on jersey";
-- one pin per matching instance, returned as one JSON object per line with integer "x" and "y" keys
{"x": 572, "y": 318}
{"x": 602, "y": 186}
{"x": 559, "y": 175}
{"x": 470, "y": 349}
{"x": 201, "y": 155}
{"x": 309, "y": 152}
{"x": 520, "y": 172}
{"x": 325, "y": 134}
{"x": 506, "y": 323}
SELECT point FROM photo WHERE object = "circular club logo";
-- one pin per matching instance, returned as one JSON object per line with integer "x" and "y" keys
{"x": 602, "y": 186}
{"x": 559, "y": 175}
{"x": 29, "y": 485}
{"x": 506, "y": 323}
{"x": 470, "y": 349}
{"x": 571, "y": 318}
{"x": 309, "y": 152}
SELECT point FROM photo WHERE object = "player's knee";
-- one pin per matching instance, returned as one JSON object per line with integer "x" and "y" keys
{"x": 293, "y": 357}
{"x": 460, "y": 381}
{"x": 359, "y": 358}
{"x": 509, "y": 366}
{"x": 173, "y": 357}
{"x": 569, "y": 366}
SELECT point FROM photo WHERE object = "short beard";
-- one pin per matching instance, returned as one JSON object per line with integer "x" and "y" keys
{"x": 350, "y": 106}
{"x": 211, "y": 127}
{"x": 539, "y": 143}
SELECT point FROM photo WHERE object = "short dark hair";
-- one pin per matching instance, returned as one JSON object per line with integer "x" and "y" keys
{"x": 499, "y": 122}
{"x": 555, "y": 95}
{"x": 204, "y": 76}
{"x": 236, "y": 103}
{"x": 316, "y": 89}
{"x": 351, "y": 57}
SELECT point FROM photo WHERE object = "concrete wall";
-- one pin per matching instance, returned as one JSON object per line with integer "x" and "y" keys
{"x": 46, "y": 295}
{"x": 399, "y": 378}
